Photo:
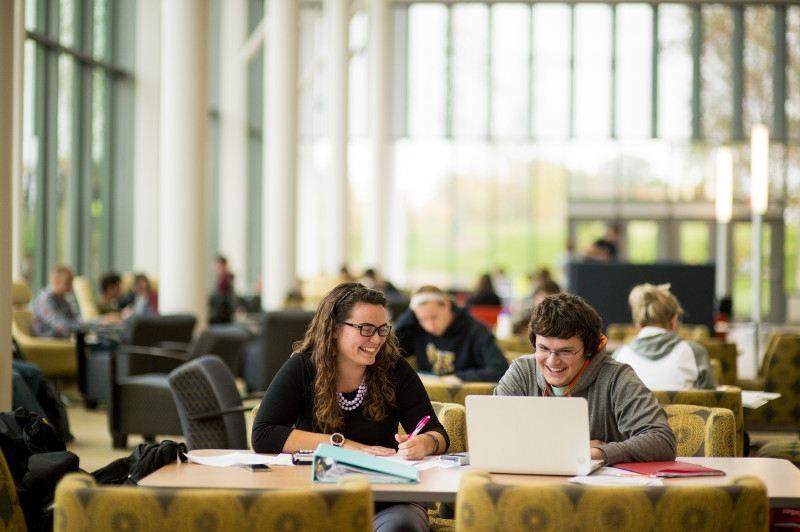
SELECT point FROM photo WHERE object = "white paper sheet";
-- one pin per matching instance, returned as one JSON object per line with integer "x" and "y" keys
{"x": 429, "y": 462}
{"x": 238, "y": 459}
{"x": 616, "y": 480}
{"x": 757, "y": 399}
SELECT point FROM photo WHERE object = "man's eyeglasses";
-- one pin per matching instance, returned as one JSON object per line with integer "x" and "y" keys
{"x": 564, "y": 354}
{"x": 369, "y": 330}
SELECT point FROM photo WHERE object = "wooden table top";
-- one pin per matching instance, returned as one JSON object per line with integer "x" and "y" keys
{"x": 780, "y": 476}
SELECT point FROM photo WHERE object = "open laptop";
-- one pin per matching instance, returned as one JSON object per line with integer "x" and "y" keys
{"x": 529, "y": 435}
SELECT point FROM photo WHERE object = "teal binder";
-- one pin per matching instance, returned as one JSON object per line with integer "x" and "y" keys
{"x": 331, "y": 463}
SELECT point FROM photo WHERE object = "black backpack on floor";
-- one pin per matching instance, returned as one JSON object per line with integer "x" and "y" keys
{"x": 38, "y": 459}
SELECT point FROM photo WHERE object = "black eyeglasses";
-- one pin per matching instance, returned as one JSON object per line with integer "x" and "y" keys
{"x": 369, "y": 330}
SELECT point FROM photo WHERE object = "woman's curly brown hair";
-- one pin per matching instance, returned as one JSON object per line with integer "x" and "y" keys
{"x": 320, "y": 341}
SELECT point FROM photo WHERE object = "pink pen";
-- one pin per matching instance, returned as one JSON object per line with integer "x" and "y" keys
{"x": 420, "y": 426}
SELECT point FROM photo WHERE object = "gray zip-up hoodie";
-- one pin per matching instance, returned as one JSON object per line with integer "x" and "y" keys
{"x": 622, "y": 411}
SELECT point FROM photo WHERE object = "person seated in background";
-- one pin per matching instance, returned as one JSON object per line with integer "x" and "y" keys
{"x": 111, "y": 298}
{"x": 657, "y": 354}
{"x": 53, "y": 313}
{"x": 222, "y": 301}
{"x": 547, "y": 287}
{"x": 600, "y": 251}
{"x": 484, "y": 293}
{"x": 446, "y": 340}
{"x": 145, "y": 300}
{"x": 373, "y": 279}
{"x": 347, "y": 384}
{"x": 626, "y": 423}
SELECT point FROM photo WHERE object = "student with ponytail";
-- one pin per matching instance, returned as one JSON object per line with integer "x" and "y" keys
{"x": 657, "y": 354}
{"x": 626, "y": 423}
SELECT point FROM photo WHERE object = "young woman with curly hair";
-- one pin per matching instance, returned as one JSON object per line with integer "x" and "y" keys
{"x": 346, "y": 384}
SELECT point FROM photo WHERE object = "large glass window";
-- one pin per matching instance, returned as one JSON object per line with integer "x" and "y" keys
{"x": 634, "y": 64}
{"x": 73, "y": 70}
{"x": 551, "y": 71}
{"x": 592, "y": 71}
{"x": 674, "y": 72}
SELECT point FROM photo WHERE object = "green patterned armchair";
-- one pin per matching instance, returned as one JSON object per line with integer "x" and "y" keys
{"x": 780, "y": 372}
{"x": 81, "y": 505}
{"x": 485, "y": 506}
{"x": 786, "y": 448}
{"x": 702, "y": 431}
{"x": 11, "y": 517}
{"x": 456, "y": 393}
{"x": 729, "y": 397}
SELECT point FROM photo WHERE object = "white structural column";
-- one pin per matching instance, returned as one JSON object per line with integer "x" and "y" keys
{"x": 233, "y": 142}
{"x": 184, "y": 154}
{"x": 17, "y": 138}
{"x": 377, "y": 217}
{"x": 10, "y": 17}
{"x": 334, "y": 251}
{"x": 279, "y": 203}
{"x": 146, "y": 160}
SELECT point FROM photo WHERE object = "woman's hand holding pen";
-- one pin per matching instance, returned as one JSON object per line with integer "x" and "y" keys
{"x": 411, "y": 446}
{"x": 415, "y": 448}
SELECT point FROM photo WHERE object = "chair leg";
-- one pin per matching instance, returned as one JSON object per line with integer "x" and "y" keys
{"x": 119, "y": 440}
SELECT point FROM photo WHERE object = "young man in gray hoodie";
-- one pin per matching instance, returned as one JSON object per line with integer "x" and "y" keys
{"x": 626, "y": 423}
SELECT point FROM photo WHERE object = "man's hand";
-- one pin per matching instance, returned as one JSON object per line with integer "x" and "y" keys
{"x": 594, "y": 450}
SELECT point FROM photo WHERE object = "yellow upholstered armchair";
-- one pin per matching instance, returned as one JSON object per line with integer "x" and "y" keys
{"x": 702, "y": 431}
{"x": 83, "y": 506}
{"x": 456, "y": 393}
{"x": 454, "y": 420}
{"x": 725, "y": 353}
{"x": 729, "y": 397}
{"x": 780, "y": 372}
{"x": 485, "y": 506}
{"x": 11, "y": 517}
{"x": 56, "y": 357}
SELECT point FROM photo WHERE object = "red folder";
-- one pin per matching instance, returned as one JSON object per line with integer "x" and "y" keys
{"x": 670, "y": 469}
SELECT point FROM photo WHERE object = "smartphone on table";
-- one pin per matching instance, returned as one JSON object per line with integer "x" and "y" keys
{"x": 257, "y": 468}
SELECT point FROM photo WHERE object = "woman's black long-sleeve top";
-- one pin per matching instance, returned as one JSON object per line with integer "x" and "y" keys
{"x": 289, "y": 404}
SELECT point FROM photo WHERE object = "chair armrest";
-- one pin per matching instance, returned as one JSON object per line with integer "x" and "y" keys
{"x": 173, "y": 346}
{"x": 220, "y": 413}
{"x": 140, "y": 350}
{"x": 751, "y": 384}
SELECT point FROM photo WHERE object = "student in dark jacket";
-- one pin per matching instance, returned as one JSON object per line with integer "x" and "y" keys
{"x": 347, "y": 385}
{"x": 484, "y": 294}
{"x": 446, "y": 340}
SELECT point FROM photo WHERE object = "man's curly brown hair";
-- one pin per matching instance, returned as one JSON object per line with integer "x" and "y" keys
{"x": 320, "y": 341}
{"x": 564, "y": 316}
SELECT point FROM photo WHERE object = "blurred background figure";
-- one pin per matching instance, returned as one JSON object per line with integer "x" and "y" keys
{"x": 546, "y": 287}
{"x": 484, "y": 294}
{"x": 111, "y": 298}
{"x": 145, "y": 300}
{"x": 373, "y": 279}
{"x": 657, "y": 354}
{"x": 222, "y": 302}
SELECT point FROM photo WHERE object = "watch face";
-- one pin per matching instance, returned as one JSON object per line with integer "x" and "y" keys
{"x": 337, "y": 439}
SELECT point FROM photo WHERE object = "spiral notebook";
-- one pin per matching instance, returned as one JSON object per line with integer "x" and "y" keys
{"x": 672, "y": 469}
